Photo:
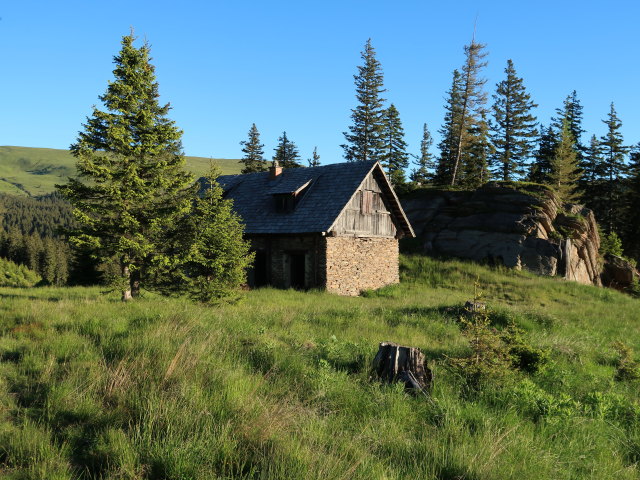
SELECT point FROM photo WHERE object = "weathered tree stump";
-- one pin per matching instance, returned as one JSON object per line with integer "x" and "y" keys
{"x": 397, "y": 363}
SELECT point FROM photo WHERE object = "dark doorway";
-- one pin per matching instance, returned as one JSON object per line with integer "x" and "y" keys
{"x": 260, "y": 270}
{"x": 297, "y": 272}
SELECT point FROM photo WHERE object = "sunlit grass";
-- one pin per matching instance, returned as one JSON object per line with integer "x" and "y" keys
{"x": 278, "y": 385}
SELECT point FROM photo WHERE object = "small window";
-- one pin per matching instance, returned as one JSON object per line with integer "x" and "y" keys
{"x": 366, "y": 205}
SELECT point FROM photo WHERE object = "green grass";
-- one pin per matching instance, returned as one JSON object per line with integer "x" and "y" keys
{"x": 278, "y": 387}
{"x": 35, "y": 171}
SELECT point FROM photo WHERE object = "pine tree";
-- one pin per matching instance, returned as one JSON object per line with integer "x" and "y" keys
{"x": 286, "y": 153}
{"x": 425, "y": 165}
{"x": 132, "y": 184}
{"x": 395, "y": 157}
{"x": 472, "y": 103}
{"x": 614, "y": 168}
{"x": 364, "y": 140}
{"x": 591, "y": 184}
{"x": 514, "y": 129}
{"x": 253, "y": 159}
{"x": 314, "y": 161}
{"x": 540, "y": 169}
{"x": 451, "y": 125}
{"x": 565, "y": 172}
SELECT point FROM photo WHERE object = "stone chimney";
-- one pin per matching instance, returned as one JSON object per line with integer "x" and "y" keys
{"x": 274, "y": 170}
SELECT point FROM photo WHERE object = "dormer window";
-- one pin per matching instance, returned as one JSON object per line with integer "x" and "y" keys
{"x": 285, "y": 202}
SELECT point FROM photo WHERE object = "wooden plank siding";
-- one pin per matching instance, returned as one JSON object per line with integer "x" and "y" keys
{"x": 366, "y": 214}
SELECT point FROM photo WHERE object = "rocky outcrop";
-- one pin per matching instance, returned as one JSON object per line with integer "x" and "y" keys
{"x": 618, "y": 272}
{"x": 518, "y": 225}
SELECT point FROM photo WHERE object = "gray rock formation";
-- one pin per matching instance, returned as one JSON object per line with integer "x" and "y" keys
{"x": 618, "y": 272}
{"x": 518, "y": 225}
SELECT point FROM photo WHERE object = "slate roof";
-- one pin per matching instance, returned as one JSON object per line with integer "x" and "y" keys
{"x": 330, "y": 189}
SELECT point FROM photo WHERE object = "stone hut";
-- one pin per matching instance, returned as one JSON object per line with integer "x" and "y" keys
{"x": 334, "y": 227}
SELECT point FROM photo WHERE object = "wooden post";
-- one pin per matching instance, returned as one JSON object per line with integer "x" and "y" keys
{"x": 397, "y": 363}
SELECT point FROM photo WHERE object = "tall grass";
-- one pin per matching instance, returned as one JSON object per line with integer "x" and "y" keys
{"x": 278, "y": 386}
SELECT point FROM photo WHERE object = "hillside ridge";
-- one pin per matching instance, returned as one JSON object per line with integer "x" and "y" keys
{"x": 34, "y": 171}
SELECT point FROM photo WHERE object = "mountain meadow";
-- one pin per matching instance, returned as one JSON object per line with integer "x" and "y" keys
{"x": 36, "y": 171}
{"x": 278, "y": 386}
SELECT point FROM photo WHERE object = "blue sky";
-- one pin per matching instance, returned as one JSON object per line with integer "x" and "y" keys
{"x": 289, "y": 65}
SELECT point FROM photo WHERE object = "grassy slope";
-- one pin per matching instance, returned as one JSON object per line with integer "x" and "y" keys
{"x": 35, "y": 171}
{"x": 278, "y": 385}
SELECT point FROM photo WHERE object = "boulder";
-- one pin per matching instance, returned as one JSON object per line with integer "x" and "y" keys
{"x": 618, "y": 272}
{"x": 517, "y": 225}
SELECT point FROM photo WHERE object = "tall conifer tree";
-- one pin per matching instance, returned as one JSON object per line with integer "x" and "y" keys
{"x": 395, "y": 158}
{"x": 253, "y": 159}
{"x": 451, "y": 125}
{"x": 472, "y": 104}
{"x": 287, "y": 153}
{"x": 571, "y": 111}
{"x": 475, "y": 157}
{"x": 614, "y": 168}
{"x": 425, "y": 165}
{"x": 364, "y": 139}
{"x": 514, "y": 127}
{"x": 131, "y": 183}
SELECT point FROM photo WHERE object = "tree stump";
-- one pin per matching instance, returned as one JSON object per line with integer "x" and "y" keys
{"x": 397, "y": 363}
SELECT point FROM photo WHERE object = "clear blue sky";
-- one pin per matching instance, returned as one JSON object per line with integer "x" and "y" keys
{"x": 289, "y": 65}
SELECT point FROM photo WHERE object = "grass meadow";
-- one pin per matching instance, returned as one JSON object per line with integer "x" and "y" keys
{"x": 35, "y": 171}
{"x": 278, "y": 386}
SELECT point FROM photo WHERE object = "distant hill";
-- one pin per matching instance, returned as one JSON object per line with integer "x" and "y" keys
{"x": 35, "y": 171}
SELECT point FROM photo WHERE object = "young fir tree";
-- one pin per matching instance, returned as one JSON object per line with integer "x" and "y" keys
{"x": 472, "y": 107}
{"x": 253, "y": 159}
{"x": 286, "y": 153}
{"x": 451, "y": 125}
{"x": 564, "y": 167}
{"x": 394, "y": 157}
{"x": 514, "y": 127}
{"x": 364, "y": 140}
{"x": 131, "y": 183}
{"x": 540, "y": 169}
{"x": 314, "y": 161}
{"x": 425, "y": 165}
{"x": 209, "y": 255}
{"x": 614, "y": 168}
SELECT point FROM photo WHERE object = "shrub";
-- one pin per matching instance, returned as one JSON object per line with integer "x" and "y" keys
{"x": 627, "y": 367}
{"x": 525, "y": 357}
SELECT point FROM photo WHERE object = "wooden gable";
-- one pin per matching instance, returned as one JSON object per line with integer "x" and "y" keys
{"x": 369, "y": 212}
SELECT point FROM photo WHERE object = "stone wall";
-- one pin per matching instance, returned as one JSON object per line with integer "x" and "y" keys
{"x": 355, "y": 264}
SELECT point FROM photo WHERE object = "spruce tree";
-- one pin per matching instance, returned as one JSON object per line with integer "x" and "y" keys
{"x": 364, "y": 140}
{"x": 475, "y": 157}
{"x": 425, "y": 165}
{"x": 314, "y": 161}
{"x": 451, "y": 125}
{"x": 514, "y": 127}
{"x": 131, "y": 183}
{"x": 591, "y": 183}
{"x": 565, "y": 172}
{"x": 614, "y": 168}
{"x": 209, "y": 255}
{"x": 287, "y": 153}
{"x": 540, "y": 169}
{"x": 394, "y": 157}
{"x": 472, "y": 104}
{"x": 253, "y": 159}
{"x": 571, "y": 111}
{"x": 631, "y": 234}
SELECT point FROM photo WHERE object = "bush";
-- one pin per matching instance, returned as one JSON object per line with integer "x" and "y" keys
{"x": 627, "y": 367}
{"x": 14, "y": 275}
{"x": 525, "y": 357}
